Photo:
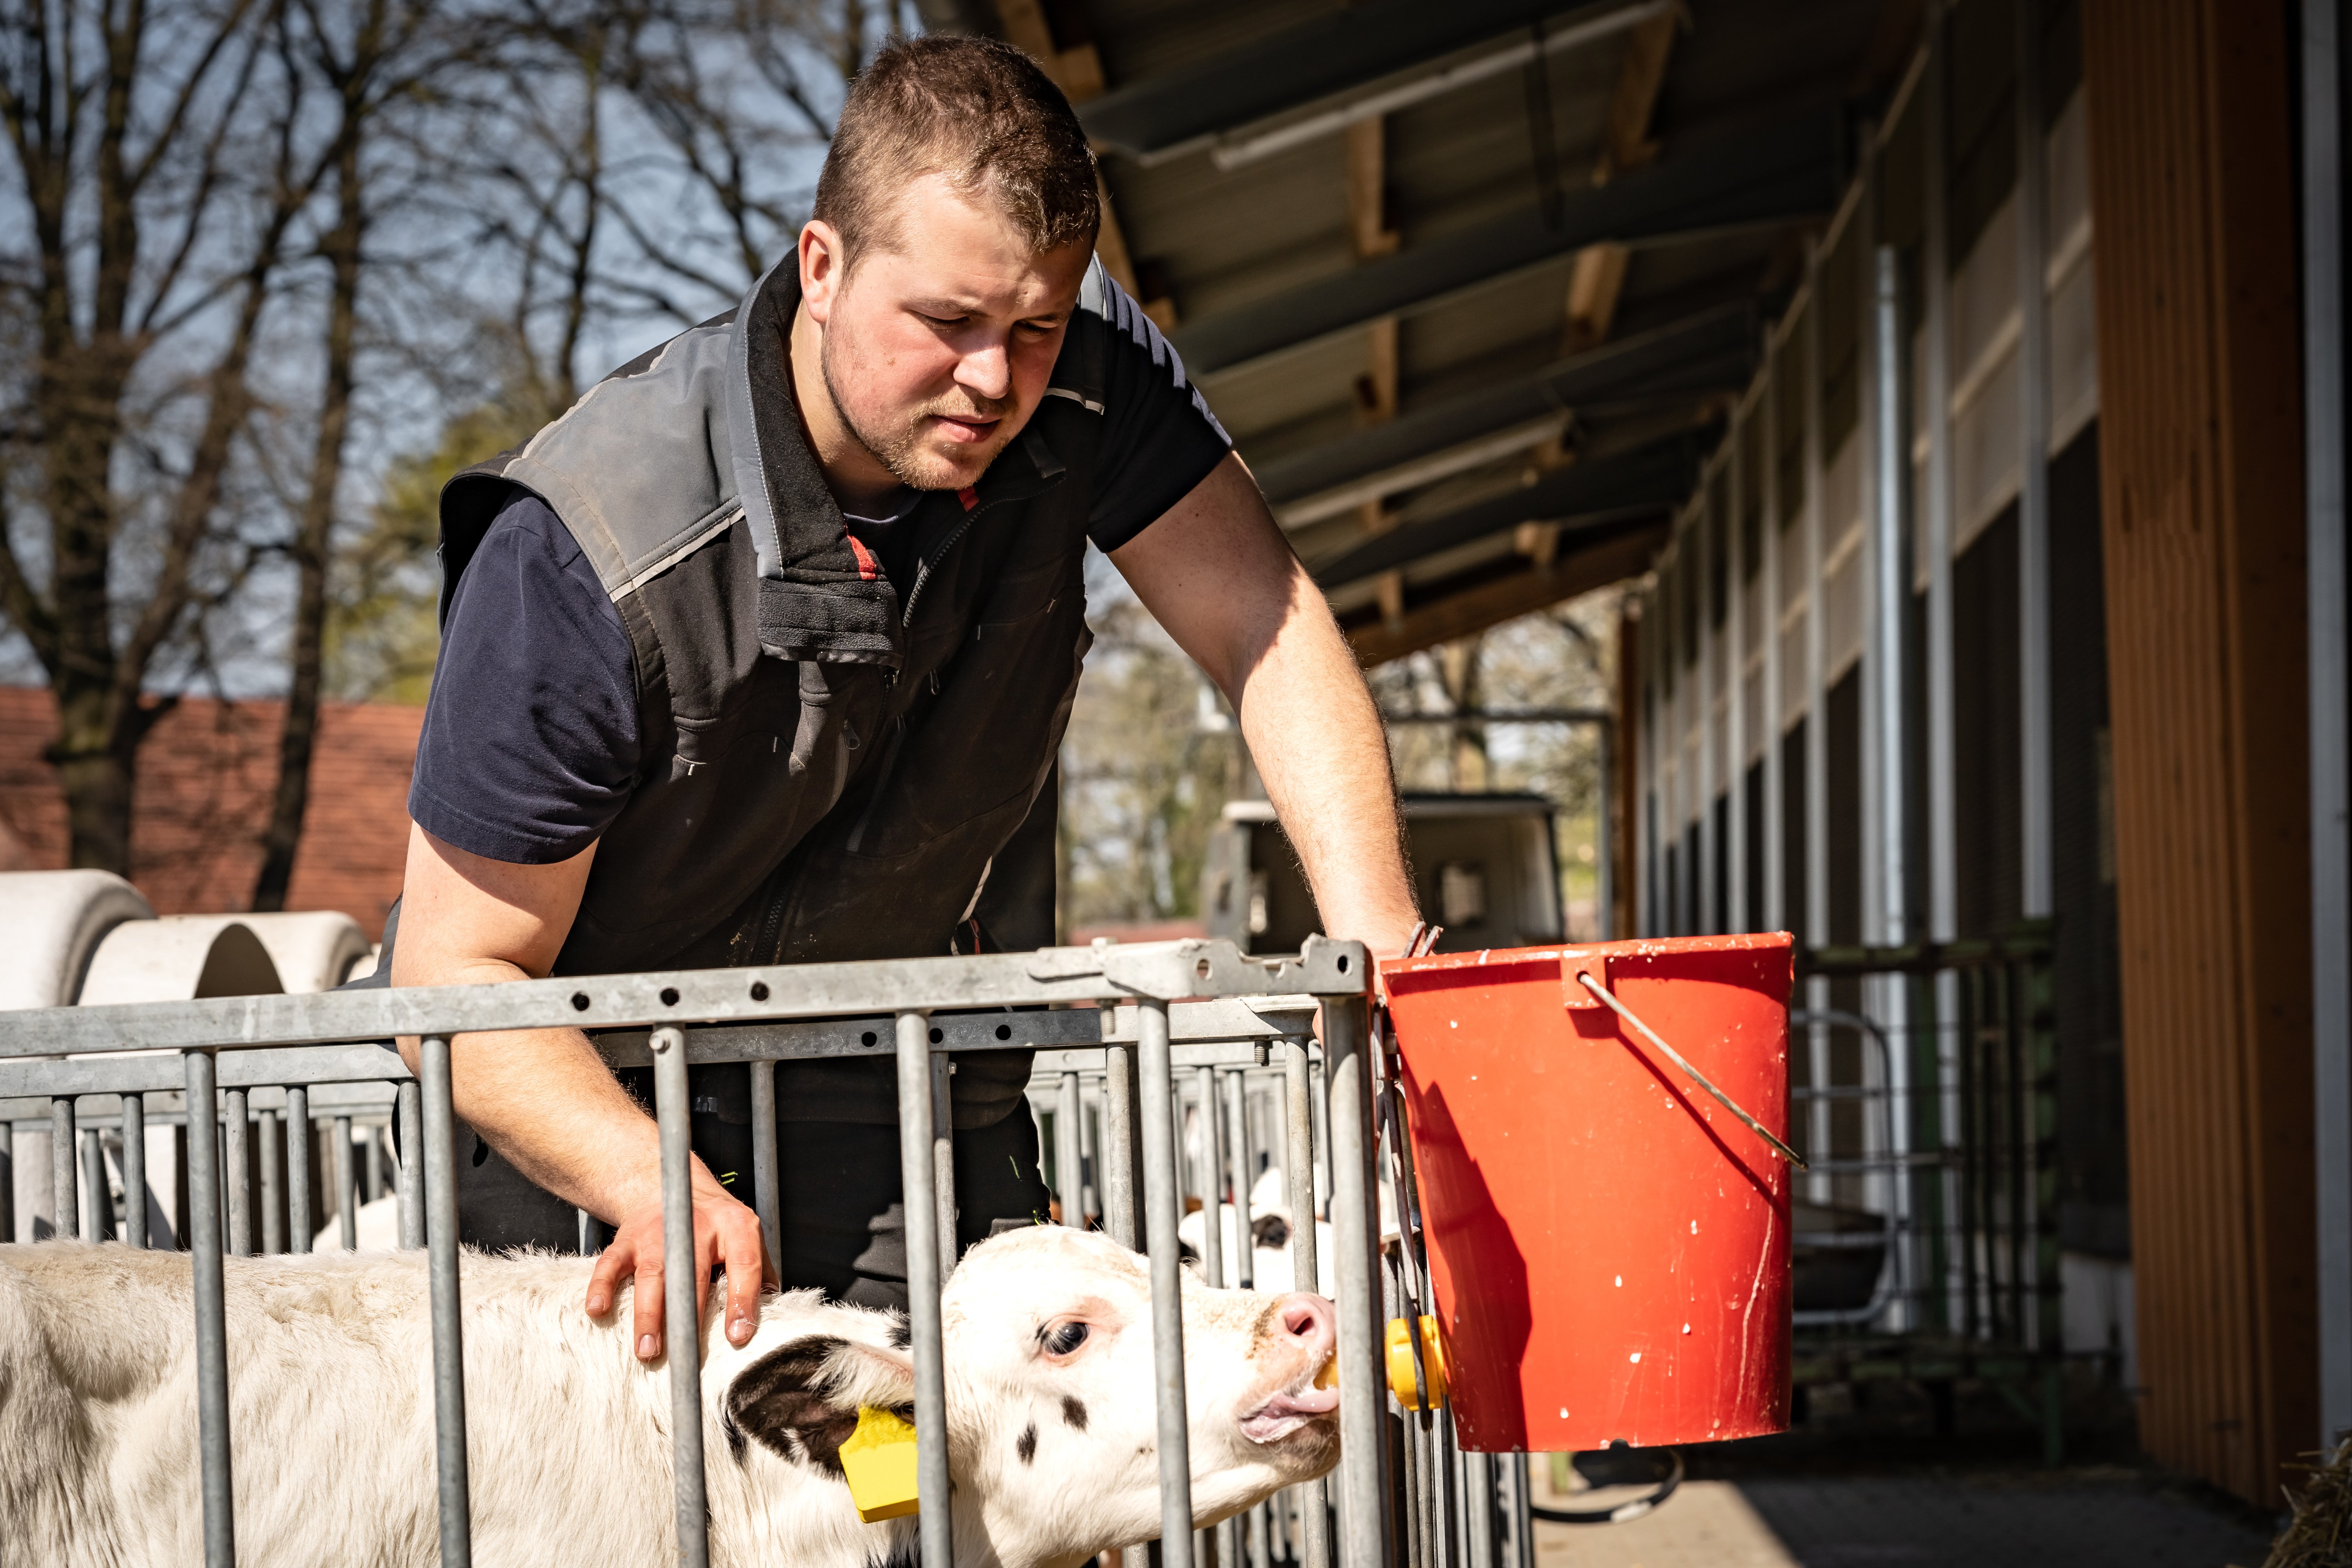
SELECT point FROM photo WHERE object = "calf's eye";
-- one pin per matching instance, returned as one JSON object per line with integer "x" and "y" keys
{"x": 1064, "y": 1338}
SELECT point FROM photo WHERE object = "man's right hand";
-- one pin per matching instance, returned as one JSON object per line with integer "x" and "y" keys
{"x": 725, "y": 1234}
{"x": 544, "y": 1097}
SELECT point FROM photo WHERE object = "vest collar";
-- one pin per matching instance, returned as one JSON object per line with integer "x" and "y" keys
{"x": 813, "y": 601}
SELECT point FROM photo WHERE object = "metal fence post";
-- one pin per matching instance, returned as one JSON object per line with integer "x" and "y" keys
{"x": 1070, "y": 1164}
{"x": 1155, "y": 1073}
{"x": 65, "y": 1204}
{"x": 96, "y": 1196}
{"x": 273, "y": 1184}
{"x": 1298, "y": 1162}
{"x": 1362, "y": 1396}
{"x": 440, "y": 1173}
{"x": 1237, "y": 1150}
{"x": 1115, "y": 1168}
{"x": 298, "y": 1225}
{"x": 923, "y": 1282}
{"x": 236, "y": 1131}
{"x": 681, "y": 1317}
{"x": 766, "y": 1183}
{"x": 211, "y": 1315}
{"x": 347, "y": 1188}
{"x": 943, "y": 1196}
{"x": 411, "y": 1171}
{"x": 134, "y": 1170}
{"x": 1213, "y": 1170}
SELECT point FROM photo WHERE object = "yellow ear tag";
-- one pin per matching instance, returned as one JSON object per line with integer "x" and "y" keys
{"x": 1400, "y": 1349}
{"x": 880, "y": 1460}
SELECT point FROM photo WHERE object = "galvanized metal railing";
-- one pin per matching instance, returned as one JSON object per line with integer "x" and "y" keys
{"x": 305, "y": 1055}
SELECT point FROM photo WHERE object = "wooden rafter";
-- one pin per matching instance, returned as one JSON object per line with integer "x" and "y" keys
{"x": 1410, "y": 629}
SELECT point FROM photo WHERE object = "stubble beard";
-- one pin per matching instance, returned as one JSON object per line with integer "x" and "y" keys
{"x": 900, "y": 449}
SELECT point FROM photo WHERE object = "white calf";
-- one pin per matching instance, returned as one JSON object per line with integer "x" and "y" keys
{"x": 1050, "y": 1415}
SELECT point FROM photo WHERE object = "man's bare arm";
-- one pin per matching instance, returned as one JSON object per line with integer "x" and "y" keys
{"x": 543, "y": 1098}
{"x": 1218, "y": 575}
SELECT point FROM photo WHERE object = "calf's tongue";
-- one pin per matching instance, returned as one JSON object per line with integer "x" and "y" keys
{"x": 1293, "y": 1408}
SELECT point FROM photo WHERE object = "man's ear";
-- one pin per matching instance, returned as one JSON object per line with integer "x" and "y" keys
{"x": 824, "y": 268}
{"x": 801, "y": 1400}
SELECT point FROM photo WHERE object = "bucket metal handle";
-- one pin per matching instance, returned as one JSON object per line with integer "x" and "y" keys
{"x": 1647, "y": 1033}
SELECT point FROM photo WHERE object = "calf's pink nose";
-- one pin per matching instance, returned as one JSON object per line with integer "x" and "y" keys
{"x": 1306, "y": 1318}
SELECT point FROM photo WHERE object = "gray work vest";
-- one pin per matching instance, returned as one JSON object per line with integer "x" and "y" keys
{"x": 826, "y": 773}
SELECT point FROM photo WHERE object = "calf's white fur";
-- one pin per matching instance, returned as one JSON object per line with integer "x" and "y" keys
{"x": 1050, "y": 1414}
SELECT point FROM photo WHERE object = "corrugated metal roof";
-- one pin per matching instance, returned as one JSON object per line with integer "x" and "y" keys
{"x": 1256, "y": 263}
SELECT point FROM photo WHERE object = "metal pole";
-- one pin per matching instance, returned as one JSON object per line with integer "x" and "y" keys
{"x": 944, "y": 1191}
{"x": 1213, "y": 1165}
{"x": 1767, "y": 413}
{"x": 1298, "y": 1164}
{"x": 7, "y": 1181}
{"x": 298, "y": 1218}
{"x": 681, "y": 1315}
{"x": 236, "y": 1137}
{"x": 94, "y": 1195}
{"x": 1068, "y": 1164}
{"x": 1943, "y": 852}
{"x": 347, "y": 1188}
{"x": 2033, "y": 464}
{"x": 440, "y": 1163}
{"x": 923, "y": 1282}
{"x": 64, "y": 1203}
{"x": 1154, "y": 1070}
{"x": 1523, "y": 1535}
{"x": 212, "y": 1316}
{"x": 411, "y": 1173}
{"x": 1117, "y": 1167}
{"x": 1706, "y": 918}
{"x": 1363, "y": 1398}
{"x": 1604, "y": 886}
{"x": 273, "y": 1223}
{"x": 766, "y": 1185}
{"x": 134, "y": 1170}
{"x": 2331, "y": 770}
{"x": 1237, "y": 1146}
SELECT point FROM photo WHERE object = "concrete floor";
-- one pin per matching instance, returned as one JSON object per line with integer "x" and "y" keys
{"x": 2090, "y": 1518}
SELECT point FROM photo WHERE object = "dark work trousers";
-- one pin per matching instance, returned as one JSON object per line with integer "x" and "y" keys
{"x": 838, "y": 1194}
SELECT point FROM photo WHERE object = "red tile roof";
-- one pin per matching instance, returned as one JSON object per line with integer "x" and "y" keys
{"x": 206, "y": 774}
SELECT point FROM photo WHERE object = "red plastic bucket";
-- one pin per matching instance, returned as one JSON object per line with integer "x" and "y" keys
{"x": 1609, "y": 1246}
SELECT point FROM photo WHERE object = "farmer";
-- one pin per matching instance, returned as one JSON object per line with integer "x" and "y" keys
{"x": 762, "y": 654}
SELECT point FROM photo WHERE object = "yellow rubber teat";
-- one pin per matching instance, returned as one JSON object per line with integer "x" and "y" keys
{"x": 1329, "y": 1376}
{"x": 880, "y": 1460}
{"x": 1401, "y": 1362}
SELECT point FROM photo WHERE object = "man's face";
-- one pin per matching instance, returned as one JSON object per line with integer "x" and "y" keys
{"x": 937, "y": 349}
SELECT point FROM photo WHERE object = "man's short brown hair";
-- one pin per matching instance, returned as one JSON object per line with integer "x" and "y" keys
{"x": 975, "y": 109}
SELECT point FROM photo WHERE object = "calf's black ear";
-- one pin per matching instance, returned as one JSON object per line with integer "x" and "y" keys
{"x": 800, "y": 1401}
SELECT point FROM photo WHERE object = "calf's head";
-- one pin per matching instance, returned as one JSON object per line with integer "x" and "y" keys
{"x": 1052, "y": 1422}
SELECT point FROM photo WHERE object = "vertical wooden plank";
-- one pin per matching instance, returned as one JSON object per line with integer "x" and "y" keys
{"x": 2203, "y": 519}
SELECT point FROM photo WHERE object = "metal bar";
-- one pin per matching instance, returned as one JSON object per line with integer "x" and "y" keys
{"x": 1605, "y": 833}
{"x": 1081, "y": 975}
{"x": 212, "y": 1322}
{"x": 134, "y": 1171}
{"x": 767, "y": 1196}
{"x": 2033, "y": 467}
{"x": 1161, "y": 1209}
{"x": 943, "y": 1190}
{"x": 1070, "y": 1164}
{"x": 1767, "y": 415}
{"x": 1708, "y": 917}
{"x": 2331, "y": 758}
{"x": 347, "y": 1188}
{"x": 273, "y": 1182}
{"x": 1891, "y": 578}
{"x": 65, "y": 1204}
{"x": 299, "y": 1222}
{"x": 1354, "y": 1228}
{"x": 95, "y": 1198}
{"x": 1298, "y": 1164}
{"x": 924, "y": 1278}
{"x": 7, "y": 1181}
{"x": 681, "y": 1312}
{"x": 1213, "y": 1170}
{"x": 236, "y": 1153}
{"x": 1117, "y": 1164}
{"x": 375, "y": 1155}
{"x": 1733, "y": 772}
{"x": 1943, "y": 850}
{"x": 1237, "y": 1145}
{"x": 411, "y": 1171}
{"x": 440, "y": 1163}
